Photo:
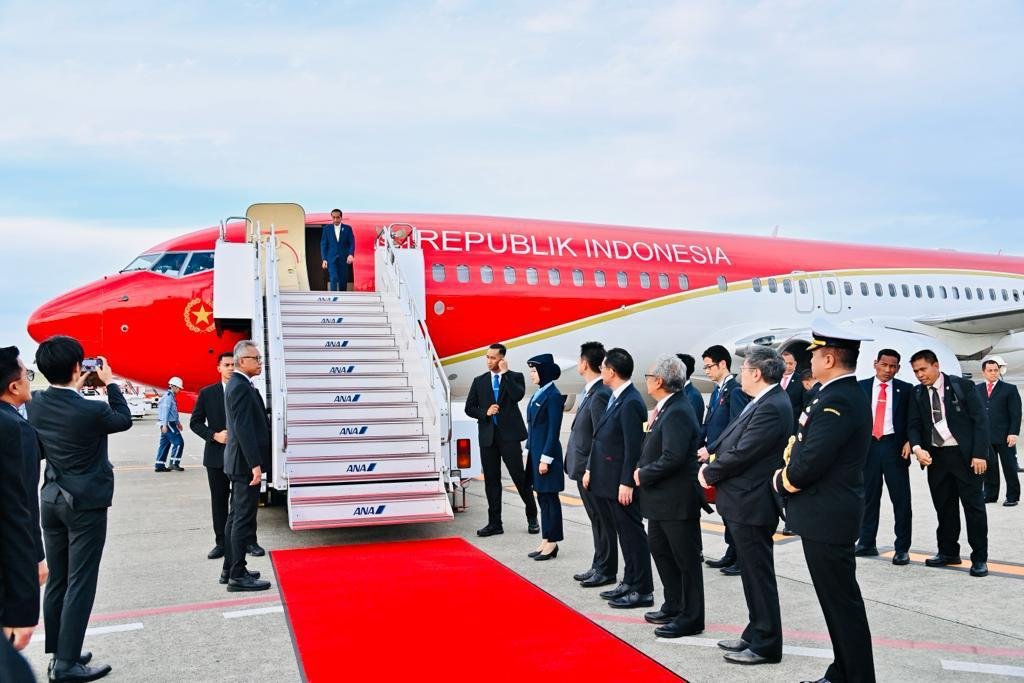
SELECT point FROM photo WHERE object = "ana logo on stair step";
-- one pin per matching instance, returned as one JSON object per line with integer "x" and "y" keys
{"x": 353, "y": 431}
{"x": 347, "y": 398}
{"x": 362, "y": 467}
{"x": 327, "y": 298}
{"x": 341, "y": 369}
{"x": 335, "y": 344}
{"x": 332, "y": 321}
{"x": 365, "y": 510}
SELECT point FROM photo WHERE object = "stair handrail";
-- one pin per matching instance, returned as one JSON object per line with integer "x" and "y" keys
{"x": 224, "y": 226}
{"x": 275, "y": 350}
{"x": 395, "y": 282}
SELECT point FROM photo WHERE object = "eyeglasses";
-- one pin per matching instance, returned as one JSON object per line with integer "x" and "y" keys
{"x": 258, "y": 359}
{"x": 745, "y": 368}
{"x": 29, "y": 374}
{"x": 649, "y": 376}
{"x": 708, "y": 366}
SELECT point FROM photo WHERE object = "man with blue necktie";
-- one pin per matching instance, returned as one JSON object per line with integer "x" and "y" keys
{"x": 337, "y": 249}
{"x": 493, "y": 401}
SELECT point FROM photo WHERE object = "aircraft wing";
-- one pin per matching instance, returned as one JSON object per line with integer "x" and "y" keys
{"x": 987, "y": 322}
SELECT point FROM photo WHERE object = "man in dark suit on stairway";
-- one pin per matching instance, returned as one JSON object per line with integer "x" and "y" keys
{"x": 246, "y": 454}
{"x": 747, "y": 454}
{"x": 888, "y": 457}
{"x": 209, "y": 422}
{"x": 78, "y": 490}
{"x": 670, "y": 500}
{"x": 493, "y": 401}
{"x": 605, "y": 564}
{"x": 618, "y": 437}
{"x": 948, "y": 432}
{"x": 337, "y": 249}
{"x": 1002, "y": 404}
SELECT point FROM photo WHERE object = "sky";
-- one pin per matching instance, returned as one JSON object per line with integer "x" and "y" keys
{"x": 125, "y": 123}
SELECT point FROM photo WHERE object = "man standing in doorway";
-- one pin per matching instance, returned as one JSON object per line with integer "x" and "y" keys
{"x": 337, "y": 249}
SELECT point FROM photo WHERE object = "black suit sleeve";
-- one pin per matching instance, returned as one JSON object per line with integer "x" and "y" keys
{"x": 197, "y": 423}
{"x": 676, "y": 436}
{"x": 473, "y": 407}
{"x": 553, "y": 406}
{"x": 516, "y": 383}
{"x": 598, "y": 404}
{"x": 765, "y": 427}
{"x": 737, "y": 402}
{"x": 979, "y": 422}
{"x": 245, "y": 413}
{"x": 1013, "y": 406}
{"x": 116, "y": 416}
{"x": 915, "y": 424}
{"x": 632, "y": 416}
{"x": 19, "y": 573}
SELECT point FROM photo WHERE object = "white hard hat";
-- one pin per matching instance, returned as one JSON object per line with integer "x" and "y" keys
{"x": 175, "y": 382}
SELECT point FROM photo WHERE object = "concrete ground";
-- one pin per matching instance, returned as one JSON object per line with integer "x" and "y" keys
{"x": 160, "y": 614}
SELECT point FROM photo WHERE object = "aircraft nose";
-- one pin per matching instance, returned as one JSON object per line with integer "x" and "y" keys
{"x": 76, "y": 314}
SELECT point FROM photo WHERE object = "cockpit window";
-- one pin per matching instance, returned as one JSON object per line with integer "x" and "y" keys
{"x": 200, "y": 261}
{"x": 170, "y": 264}
{"x": 144, "y": 262}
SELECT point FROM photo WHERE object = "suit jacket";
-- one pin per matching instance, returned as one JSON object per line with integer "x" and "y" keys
{"x": 795, "y": 391}
{"x": 1003, "y": 409}
{"x": 73, "y": 432}
{"x": 747, "y": 455}
{"x": 332, "y": 248}
{"x": 668, "y": 463}
{"x": 20, "y": 536}
{"x": 827, "y": 464}
{"x": 581, "y": 434}
{"x": 207, "y": 419}
{"x": 615, "y": 450}
{"x": 248, "y": 427}
{"x": 544, "y": 416}
{"x": 511, "y": 390}
{"x": 731, "y": 402}
{"x": 964, "y": 413}
{"x": 696, "y": 402}
{"x": 899, "y": 396}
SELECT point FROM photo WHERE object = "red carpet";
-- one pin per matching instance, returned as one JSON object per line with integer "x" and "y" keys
{"x": 386, "y": 612}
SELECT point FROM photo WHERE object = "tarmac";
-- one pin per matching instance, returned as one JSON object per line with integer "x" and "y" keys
{"x": 161, "y": 615}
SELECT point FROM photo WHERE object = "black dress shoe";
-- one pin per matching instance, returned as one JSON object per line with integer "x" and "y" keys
{"x": 77, "y": 672}
{"x": 490, "y": 530}
{"x": 738, "y": 645}
{"x": 724, "y": 561}
{"x": 533, "y": 553}
{"x": 674, "y": 631}
{"x": 731, "y": 570}
{"x": 216, "y": 553}
{"x": 224, "y": 575}
{"x": 247, "y": 583}
{"x": 990, "y": 500}
{"x": 550, "y": 556}
{"x": 532, "y": 527}
{"x": 177, "y": 468}
{"x": 901, "y": 558}
{"x": 748, "y": 656}
{"x": 660, "y": 617}
{"x": 583, "y": 576}
{"x": 786, "y": 531}
{"x": 83, "y": 659}
{"x": 979, "y": 569}
{"x": 255, "y": 550}
{"x": 632, "y": 599}
{"x": 597, "y": 580}
{"x": 942, "y": 560}
{"x": 1009, "y": 503}
{"x": 616, "y": 592}
{"x": 161, "y": 468}
{"x": 866, "y": 551}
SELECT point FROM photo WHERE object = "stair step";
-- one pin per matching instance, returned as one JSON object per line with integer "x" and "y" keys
{"x": 329, "y": 369}
{"x": 332, "y": 309}
{"x": 338, "y": 340}
{"x": 348, "y": 411}
{"x": 397, "y": 379}
{"x": 342, "y": 430}
{"x": 347, "y": 318}
{"x": 355, "y": 446}
{"x": 328, "y": 297}
{"x": 353, "y": 329}
{"x": 341, "y": 356}
{"x": 351, "y": 396}
{"x": 318, "y": 507}
{"x": 337, "y": 470}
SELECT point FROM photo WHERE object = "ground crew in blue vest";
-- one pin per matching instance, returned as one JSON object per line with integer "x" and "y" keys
{"x": 171, "y": 441}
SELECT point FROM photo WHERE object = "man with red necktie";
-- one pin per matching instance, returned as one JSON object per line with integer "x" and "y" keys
{"x": 888, "y": 457}
{"x": 1002, "y": 404}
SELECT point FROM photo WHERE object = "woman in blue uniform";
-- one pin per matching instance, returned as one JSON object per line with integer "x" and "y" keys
{"x": 544, "y": 450}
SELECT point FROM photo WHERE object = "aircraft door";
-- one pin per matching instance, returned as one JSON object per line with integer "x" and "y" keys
{"x": 803, "y": 294}
{"x": 831, "y": 294}
{"x": 289, "y": 221}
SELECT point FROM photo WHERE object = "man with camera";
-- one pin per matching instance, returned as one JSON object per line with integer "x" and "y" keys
{"x": 78, "y": 489}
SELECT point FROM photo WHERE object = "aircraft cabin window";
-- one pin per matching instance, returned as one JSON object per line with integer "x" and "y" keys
{"x": 787, "y": 285}
{"x": 848, "y": 288}
{"x": 170, "y": 264}
{"x": 462, "y": 273}
{"x": 892, "y": 289}
{"x": 956, "y": 292}
{"x": 486, "y": 275}
{"x": 723, "y": 284}
{"x": 437, "y": 272}
{"x": 577, "y": 277}
{"x": 968, "y": 293}
{"x": 510, "y": 275}
{"x": 802, "y": 286}
{"x": 1016, "y": 295}
{"x": 917, "y": 291}
{"x": 878, "y": 289}
{"x": 599, "y": 278}
{"x": 1006, "y": 295}
{"x": 622, "y": 278}
{"x": 831, "y": 287}
{"x": 905, "y": 289}
{"x": 144, "y": 262}
{"x": 531, "y": 276}
{"x": 773, "y": 285}
{"x": 554, "y": 276}
{"x": 942, "y": 291}
{"x": 663, "y": 280}
{"x": 981, "y": 294}
{"x": 203, "y": 260}
{"x": 645, "y": 280}
{"x": 864, "y": 290}
{"x": 931, "y": 291}
{"x": 755, "y": 284}
{"x": 992, "y": 294}
{"x": 684, "y": 282}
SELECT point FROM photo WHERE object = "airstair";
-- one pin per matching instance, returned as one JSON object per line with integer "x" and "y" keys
{"x": 360, "y": 405}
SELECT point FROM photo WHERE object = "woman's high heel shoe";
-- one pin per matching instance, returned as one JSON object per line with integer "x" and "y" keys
{"x": 541, "y": 556}
{"x": 534, "y": 553}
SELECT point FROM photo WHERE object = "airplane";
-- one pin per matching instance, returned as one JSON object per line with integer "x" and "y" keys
{"x": 547, "y": 286}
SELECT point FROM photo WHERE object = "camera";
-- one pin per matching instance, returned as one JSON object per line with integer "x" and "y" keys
{"x": 91, "y": 365}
